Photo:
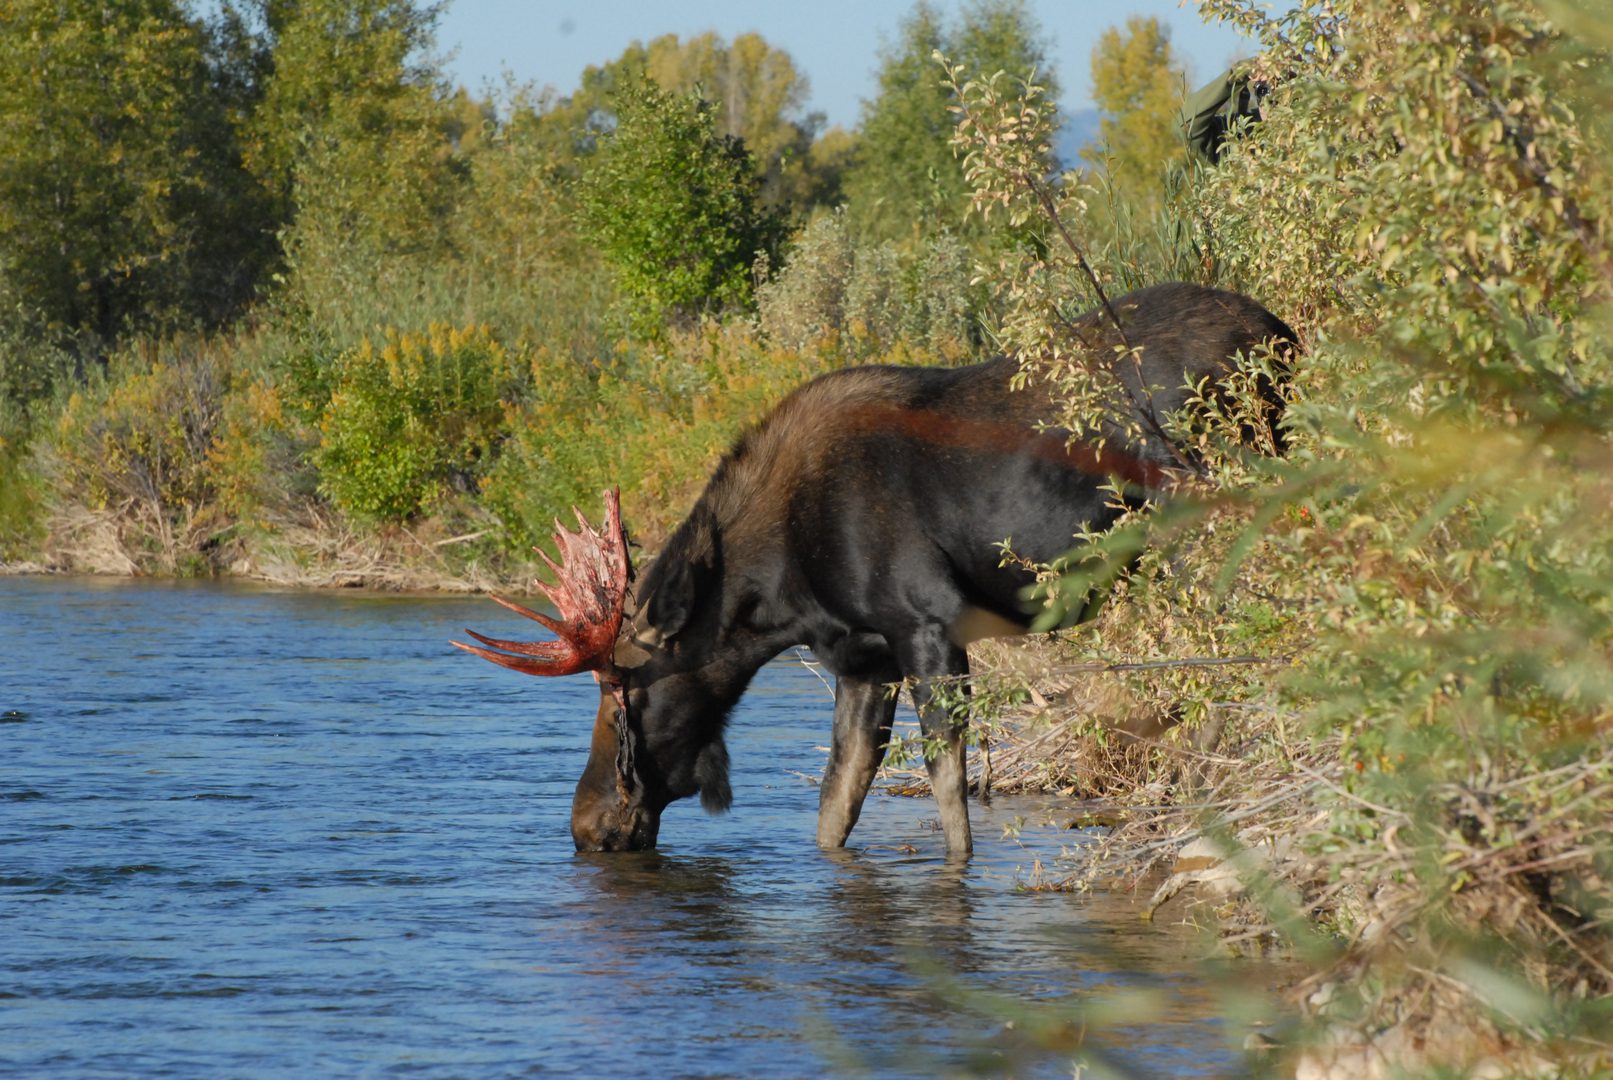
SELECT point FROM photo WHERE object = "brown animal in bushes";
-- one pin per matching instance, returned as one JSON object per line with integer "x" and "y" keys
{"x": 861, "y": 519}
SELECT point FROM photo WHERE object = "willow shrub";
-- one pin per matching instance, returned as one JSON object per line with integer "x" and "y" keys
{"x": 1427, "y": 199}
{"x": 872, "y": 295}
{"x": 130, "y": 450}
{"x": 1428, "y": 189}
{"x": 411, "y": 419}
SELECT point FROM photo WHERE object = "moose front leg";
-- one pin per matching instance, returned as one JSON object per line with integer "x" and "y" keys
{"x": 931, "y": 655}
{"x": 864, "y": 709}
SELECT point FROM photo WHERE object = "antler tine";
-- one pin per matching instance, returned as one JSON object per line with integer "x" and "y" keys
{"x": 552, "y": 651}
{"x": 554, "y": 567}
{"x": 583, "y": 551}
{"x": 521, "y": 609}
{"x": 589, "y": 593}
{"x": 525, "y": 665}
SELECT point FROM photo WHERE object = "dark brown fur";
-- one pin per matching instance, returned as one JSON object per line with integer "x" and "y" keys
{"x": 862, "y": 518}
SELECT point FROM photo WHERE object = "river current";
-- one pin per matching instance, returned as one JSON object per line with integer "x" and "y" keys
{"x": 248, "y": 832}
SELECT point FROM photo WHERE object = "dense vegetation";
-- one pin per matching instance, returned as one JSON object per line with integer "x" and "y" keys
{"x": 277, "y": 300}
{"x": 274, "y": 298}
{"x": 1388, "y": 654}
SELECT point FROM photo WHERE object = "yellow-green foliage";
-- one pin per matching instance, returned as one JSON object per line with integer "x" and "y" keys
{"x": 144, "y": 435}
{"x": 1444, "y": 230}
{"x": 1424, "y": 200}
{"x": 872, "y": 295}
{"x": 653, "y": 420}
{"x": 135, "y": 446}
{"x": 255, "y": 459}
{"x": 410, "y": 419}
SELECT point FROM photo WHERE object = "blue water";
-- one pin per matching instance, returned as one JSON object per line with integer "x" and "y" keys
{"x": 247, "y": 832}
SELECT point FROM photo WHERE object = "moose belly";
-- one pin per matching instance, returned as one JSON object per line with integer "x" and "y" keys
{"x": 978, "y": 624}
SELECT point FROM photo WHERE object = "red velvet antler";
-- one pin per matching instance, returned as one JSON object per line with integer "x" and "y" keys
{"x": 589, "y": 592}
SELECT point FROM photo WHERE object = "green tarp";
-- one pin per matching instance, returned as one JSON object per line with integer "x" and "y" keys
{"x": 1210, "y": 112}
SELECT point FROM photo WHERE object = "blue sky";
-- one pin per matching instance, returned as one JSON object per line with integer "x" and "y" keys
{"x": 836, "y": 42}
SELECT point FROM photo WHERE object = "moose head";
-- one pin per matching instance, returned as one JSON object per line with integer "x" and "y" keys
{"x": 630, "y": 778}
{"x": 614, "y": 809}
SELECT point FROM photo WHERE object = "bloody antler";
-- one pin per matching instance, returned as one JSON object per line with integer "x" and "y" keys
{"x": 589, "y": 592}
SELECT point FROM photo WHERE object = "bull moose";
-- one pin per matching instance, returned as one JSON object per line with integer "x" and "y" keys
{"x": 862, "y": 518}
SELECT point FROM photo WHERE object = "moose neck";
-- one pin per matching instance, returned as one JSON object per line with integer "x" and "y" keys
{"x": 738, "y": 655}
{"x": 747, "y": 629}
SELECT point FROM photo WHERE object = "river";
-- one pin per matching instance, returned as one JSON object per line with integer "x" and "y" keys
{"x": 249, "y": 832}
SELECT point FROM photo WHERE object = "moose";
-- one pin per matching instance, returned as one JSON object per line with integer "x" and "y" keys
{"x": 863, "y": 519}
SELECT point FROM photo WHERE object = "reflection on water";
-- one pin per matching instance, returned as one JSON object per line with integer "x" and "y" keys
{"x": 245, "y": 832}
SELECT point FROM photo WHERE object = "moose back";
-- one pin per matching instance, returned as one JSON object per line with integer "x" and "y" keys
{"x": 862, "y": 518}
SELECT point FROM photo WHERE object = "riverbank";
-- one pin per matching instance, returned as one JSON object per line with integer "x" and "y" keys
{"x": 435, "y": 459}
{"x": 1236, "y": 822}
{"x": 318, "y": 555}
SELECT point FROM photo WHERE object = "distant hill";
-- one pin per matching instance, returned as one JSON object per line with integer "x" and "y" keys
{"x": 1080, "y": 130}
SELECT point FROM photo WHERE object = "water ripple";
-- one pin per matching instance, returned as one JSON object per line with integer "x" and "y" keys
{"x": 320, "y": 841}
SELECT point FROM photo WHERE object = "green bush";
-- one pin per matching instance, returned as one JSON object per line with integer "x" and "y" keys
{"x": 129, "y": 452}
{"x": 411, "y": 420}
{"x": 675, "y": 208}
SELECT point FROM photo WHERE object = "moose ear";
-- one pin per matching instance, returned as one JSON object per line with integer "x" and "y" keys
{"x": 672, "y": 602}
{"x": 692, "y": 560}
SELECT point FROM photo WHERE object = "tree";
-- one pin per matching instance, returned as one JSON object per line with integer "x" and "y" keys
{"x": 1138, "y": 85}
{"x": 121, "y": 199}
{"x": 904, "y": 172}
{"x": 823, "y": 174}
{"x": 1002, "y": 35}
{"x": 356, "y": 137}
{"x": 673, "y": 206}
{"x": 758, "y": 95}
{"x": 756, "y": 92}
{"x": 904, "y": 177}
{"x": 334, "y": 69}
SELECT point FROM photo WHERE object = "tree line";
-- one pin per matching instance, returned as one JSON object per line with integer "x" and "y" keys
{"x": 164, "y": 166}
{"x": 288, "y": 186}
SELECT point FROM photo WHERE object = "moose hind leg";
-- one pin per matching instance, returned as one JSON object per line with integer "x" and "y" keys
{"x": 931, "y": 654}
{"x": 864, "y": 709}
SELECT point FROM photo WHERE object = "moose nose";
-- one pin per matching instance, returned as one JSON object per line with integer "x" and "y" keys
{"x": 632, "y": 830}
{"x": 590, "y": 836}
